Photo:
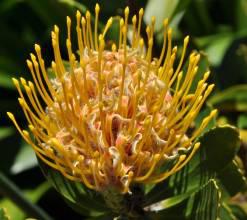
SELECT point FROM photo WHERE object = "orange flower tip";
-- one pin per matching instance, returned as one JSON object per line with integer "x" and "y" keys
{"x": 54, "y": 141}
{"x": 109, "y": 22}
{"x": 27, "y": 89}
{"x": 157, "y": 157}
{"x": 134, "y": 19}
{"x": 29, "y": 63}
{"x": 31, "y": 127}
{"x": 53, "y": 35}
{"x": 78, "y": 14}
{"x": 126, "y": 11}
{"x": 33, "y": 57}
{"x": 23, "y": 81}
{"x": 206, "y": 75}
{"x": 83, "y": 21}
{"x": 186, "y": 40}
{"x": 25, "y": 133}
{"x": 180, "y": 75}
{"x": 141, "y": 12}
{"x": 153, "y": 19}
{"x": 88, "y": 15}
{"x": 97, "y": 8}
{"x": 169, "y": 32}
{"x": 212, "y": 86}
{"x": 114, "y": 48}
{"x": 68, "y": 43}
{"x": 197, "y": 145}
{"x": 96, "y": 154}
{"x": 30, "y": 84}
{"x": 121, "y": 22}
{"x": 175, "y": 49}
{"x": 197, "y": 58}
{"x": 56, "y": 29}
{"x": 69, "y": 20}
{"x": 37, "y": 48}
{"x": 148, "y": 120}
{"x": 80, "y": 158}
{"x": 214, "y": 112}
{"x": 195, "y": 69}
{"x": 11, "y": 116}
{"x": 131, "y": 174}
{"x": 21, "y": 101}
{"x": 100, "y": 37}
{"x": 172, "y": 131}
{"x": 165, "y": 22}
{"x": 182, "y": 157}
{"x": 15, "y": 81}
{"x": 53, "y": 64}
{"x": 148, "y": 29}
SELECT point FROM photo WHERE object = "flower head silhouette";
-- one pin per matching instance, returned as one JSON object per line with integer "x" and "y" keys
{"x": 114, "y": 116}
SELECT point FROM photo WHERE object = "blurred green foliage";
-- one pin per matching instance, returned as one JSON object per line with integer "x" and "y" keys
{"x": 217, "y": 28}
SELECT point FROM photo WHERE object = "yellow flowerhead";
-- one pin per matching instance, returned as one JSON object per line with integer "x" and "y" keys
{"x": 114, "y": 117}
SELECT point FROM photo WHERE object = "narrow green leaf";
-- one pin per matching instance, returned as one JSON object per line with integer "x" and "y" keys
{"x": 233, "y": 179}
{"x": 218, "y": 148}
{"x": 3, "y": 214}
{"x": 232, "y": 99}
{"x": 172, "y": 9}
{"x": 5, "y": 80}
{"x": 5, "y": 132}
{"x": 75, "y": 192}
{"x": 204, "y": 204}
{"x": 238, "y": 212}
{"x": 226, "y": 213}
{"x": 25, "y": 159}
{"x": 75, "y": 4}
{"x": 242, "y": 121}
{"x": 34, "y": 195}
{"x": 215, "y": 46}
{"x": 241, "y": 14}
{"x": 221, "y": 145}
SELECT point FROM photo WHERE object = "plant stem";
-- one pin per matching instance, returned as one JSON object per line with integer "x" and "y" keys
{"x": 10, "y": 190}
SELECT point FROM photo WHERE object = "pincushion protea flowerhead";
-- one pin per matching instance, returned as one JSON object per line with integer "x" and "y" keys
{"x": 114, "y": 117}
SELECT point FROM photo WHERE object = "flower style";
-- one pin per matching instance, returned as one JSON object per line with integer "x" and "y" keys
{"x": 115, "y": 116}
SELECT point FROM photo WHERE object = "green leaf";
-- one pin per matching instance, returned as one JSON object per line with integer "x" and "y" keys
{"x": 33, "y": 194}
{"x": 77, "y": 195}
{"x": 221, "y": 145}
{"x": 13, "y": 211}
{"x": 3, "y": 214}
{"x": 226, "y": 212}
{"x": 241, "y": 14}
{"x": 232, "y": 99}
{"x": 233, "y": 179}
{"x": 5, "y": 132}
{"x": 24, "y": 160}
{"x": 75, "y": 4}
{"x": 187, "y": 181}
{"x": 204, "y": 204}
{"x": 169, "y": 202}
{"x": 6, "y": 5}
{"x": 5, "y": 80}
{"x": 242, "y": 121}
{"x": 238, "y": 212}
{"x": 162, "y": 9}
{"x": 233, "y": 69}
{"x": 218, "y": 148}
{"x": 215, "y": 46}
